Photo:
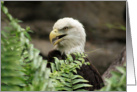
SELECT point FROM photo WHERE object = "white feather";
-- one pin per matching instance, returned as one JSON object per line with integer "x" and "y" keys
{"x": 75, "y": 39}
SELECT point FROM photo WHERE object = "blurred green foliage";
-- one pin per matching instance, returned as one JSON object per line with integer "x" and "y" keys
{"x": 23, "y": 69}
{"x": 116, "y": 26}
{"x": 118, "y": 80}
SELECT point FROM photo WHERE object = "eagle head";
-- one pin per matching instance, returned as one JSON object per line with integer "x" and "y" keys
{"x": 68, "y": 36}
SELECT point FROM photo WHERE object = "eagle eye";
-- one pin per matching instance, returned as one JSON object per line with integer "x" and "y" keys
{"x": 65, "y": 28}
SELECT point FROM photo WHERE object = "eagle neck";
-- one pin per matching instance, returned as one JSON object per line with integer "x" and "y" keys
{"x": 71, "y": 50}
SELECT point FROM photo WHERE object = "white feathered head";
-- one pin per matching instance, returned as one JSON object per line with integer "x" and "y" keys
{"x": 68, "y": 36}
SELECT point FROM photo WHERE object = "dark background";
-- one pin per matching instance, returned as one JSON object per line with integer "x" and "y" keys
{"x": 102, "y": 21}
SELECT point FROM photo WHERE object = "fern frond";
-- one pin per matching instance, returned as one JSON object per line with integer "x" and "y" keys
{"x": 22, "y": 67}
{"x": 65, "y": 74}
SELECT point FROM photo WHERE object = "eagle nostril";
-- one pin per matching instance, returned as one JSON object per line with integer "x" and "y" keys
{"x": 55, "y": 30}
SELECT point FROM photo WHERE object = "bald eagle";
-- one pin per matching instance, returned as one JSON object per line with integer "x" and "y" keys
{"x": 68, "y": 36}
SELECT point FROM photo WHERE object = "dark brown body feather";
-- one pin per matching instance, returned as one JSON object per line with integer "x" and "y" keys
{"x": 89, "y": 72}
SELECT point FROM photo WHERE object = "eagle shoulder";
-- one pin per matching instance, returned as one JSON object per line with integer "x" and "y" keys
{"x": 90, "y": 73}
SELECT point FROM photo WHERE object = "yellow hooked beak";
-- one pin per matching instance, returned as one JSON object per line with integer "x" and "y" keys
{"x": 54, "y": 34}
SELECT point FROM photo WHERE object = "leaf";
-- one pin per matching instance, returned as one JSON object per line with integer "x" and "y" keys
{"x": 81, "y": 90}
{"x": 69, "y": 58}
{"x": 81, "y": 85}
{"x": 9, "y": 88}
{"x": 53, "y": 67}
{"x": 47, "y": 73}
{"x": 67, "y": 89}
{"x": 67, "y": 84}
{"x": 117, "y": 74}
{"x": 62, "y": 80}
{"x": 123, "y": 28}
{"x": 108, "y": 87}
{"x": 74, "y": 70}
{"x": 57, "y": 63}
{"x": 2, "y": 2}
{"x": 5, "y": 10}
{"x": 78, "y": 80}
{"x": 9, "y": 72}
{"x": 76, "y": 76}
{"x": 121, "y": 69}
{"x": 123, "y": 79}
{"x": 82, "y": 60}
{"x": 9, "y": 16}
{"x": 4, "y": 34}
{"x": 27, "y": 35}
{"x": 65, "y": 75}
{"x": 78, "y": 62}
{"x": 12, "y": 80}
